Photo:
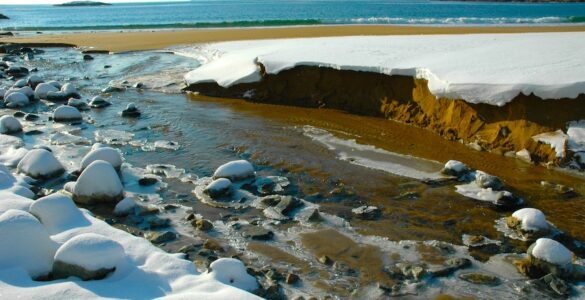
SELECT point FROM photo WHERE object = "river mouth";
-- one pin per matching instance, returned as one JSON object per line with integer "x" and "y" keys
{"x": 212, "y": 131}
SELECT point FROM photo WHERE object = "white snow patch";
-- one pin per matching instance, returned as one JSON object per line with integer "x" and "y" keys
{"x": 232, "y": 272}
{"x": 479, "y": 68}
{"x": 576, "y": 133}
{"x": 58, "y": 213}
{"x": 557, "y": 140}
{"x": 125, "y": 207}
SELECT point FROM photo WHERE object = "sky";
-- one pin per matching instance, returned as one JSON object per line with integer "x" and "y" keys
{"x": 21, "y": 2}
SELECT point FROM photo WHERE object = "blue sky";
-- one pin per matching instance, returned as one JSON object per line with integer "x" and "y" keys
{"x": 61, "y": 1}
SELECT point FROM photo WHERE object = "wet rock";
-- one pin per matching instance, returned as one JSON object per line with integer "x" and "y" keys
{"x": 552, "y": 286}
{"x": 202, "y": 224}
{"x": 479, "y": 278}
{"x": 78, "y": 103}
{"x": 87, "y": 57}
{"x": 161, "y": 237}
{"x": 455, "y": 168}
{"x": 292, "y": 278}
{"x": 156, "y": 222}
{"x": 57, "y": 96}
{"x": 99, "y": 102}
{"x": 218, "y": 188}
{"x": 17, "y": 72}
{"x": 326, "y": 260}
{"x": 18, "y": 114}
{"x": 450, "y": 266}
{"x": 112, "y": 89}
{"x": 315, "y": 216}
{"x": 484, "y": 181}
{"x": 212, "y": 245}
{"x": 284, "y": 206}
{"x": 66, "y": 113}
{"x": 131, "y": 111}
{"x": 256, "y": 233}
{"x": 147, "y": 181}
{"x": 147, "y": 210}
{"x": 31, "y": 117}
{"x": 507, "y": 200}
{"x": 547, "y": 256}
{"x": 367, "y": 212}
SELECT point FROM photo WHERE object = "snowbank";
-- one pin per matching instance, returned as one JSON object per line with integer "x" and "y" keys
{"x": 550, "y": 65}
{"x": 99, "y": 182}
{"x": 40, "y": 163}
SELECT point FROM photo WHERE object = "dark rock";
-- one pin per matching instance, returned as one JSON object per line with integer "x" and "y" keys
{"x": 87, "y": 57}
{"x": 202, "y": 224}
{"x": 161, "y": 237}
{"x": 31, "y": 117}
{"x": 18, "y": 114}
{"x": 284, "y": 207}
{"x": 257, "y": 233}
{"x": 147, "y": 181}
{"x": 326, "y": 260}
{"x": 63, "y": 270}
{"x": 6, "y": 33}
{"x": 17, "y": 72}
{"x": 484, "y": 180}
{"x": 315, "y": 216}
{"x": 98, "y": 102}
{"x": 139, "y": 85}
{"x": 170, "y": 207}
{"x": 33, "y": 132}
{"x": 190, "y": 217}
{"x": 479, "y": 278}
{"x": 212, "y": 245}
{"x": 292, "y": 278}
{"x": 107, "y": 66}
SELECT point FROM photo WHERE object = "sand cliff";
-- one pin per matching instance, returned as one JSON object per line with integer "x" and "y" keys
{"x": 405, "y": 99}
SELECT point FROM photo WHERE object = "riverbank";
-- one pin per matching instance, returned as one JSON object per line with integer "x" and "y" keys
{"x": 154, "y": 40}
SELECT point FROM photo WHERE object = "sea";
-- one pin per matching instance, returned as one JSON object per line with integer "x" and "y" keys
{"x": 261, "y": 13}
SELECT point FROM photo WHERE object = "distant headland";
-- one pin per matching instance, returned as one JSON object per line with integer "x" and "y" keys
{"x": 83, "y": 3}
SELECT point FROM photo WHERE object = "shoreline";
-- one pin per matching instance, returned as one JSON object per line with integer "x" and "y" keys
{"x": 160, "y": 39}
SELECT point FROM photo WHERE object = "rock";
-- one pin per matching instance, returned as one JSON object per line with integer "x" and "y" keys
{"x": 9, "y": 125}
{"x": 78, "y": 103}
{"x": 108, "y": 154}
{"x": 218, "y": 188}
{"x": 17, "y": 72}
{"x": 31, "y": 117}
{"x": 161, "y": 237}
{"x": 547, "y": 256}
{"x": 411, "y": 271}
{"x": 19, "y": 83}
{"x": 131, "y": 111}
{"x": 147, "y": 181}
{"x": 529, "y": 223}
{"x": 16, "y": 99}
{"x": 326, "y": 260}
{"x": 99, "y": 102}
{"x": 450, "y": 266}
{"x": 484, "y": 180}
{"x": 40, "y": 164}
{"x": 315, "y": 216}
{"x": 98, "y": 183}
{"x": 88, "y": 256}
{"x": 479, "y": 278}
{"x": 367, "y": 212}
{"x": 87, "y": 57}
{"x": 57, "y": 96}
{"x": 125, "y": 207}
{"x": 505, "y": 199}
{"x": 42, "y": 89}
{"x": 455, "y": 168}
{"x": 34, "y": 80}
{"x": 256, "y": 233}
{"x": 112, "y": 89}
{"x": 156, "y": 222}
{"x": 66, "y": 113}
{"x": 283, "y": 208}
{"x": 556, "y": 285}
{"x": 235, "y": 171}
{"x": 147, "y": 210}
{"x": 18, "y": 114}
{"x": 139, "y": 85}
{"x": 212, "y": 245}
{"x": 27, "y": 91}
{"x": 292, "y": 278}
{"x": 202, "y": 224}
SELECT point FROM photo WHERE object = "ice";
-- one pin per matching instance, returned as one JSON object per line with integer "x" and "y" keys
{"x": 125, "y": 207}
{"x": 557, "y": 140}
{"x": 548, "y": 65}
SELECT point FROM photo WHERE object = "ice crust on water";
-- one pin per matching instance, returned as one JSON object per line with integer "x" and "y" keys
{"x": 449, "y": 63}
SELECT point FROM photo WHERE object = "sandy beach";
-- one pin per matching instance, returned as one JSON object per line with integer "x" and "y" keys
{"x": 151, "y": 40}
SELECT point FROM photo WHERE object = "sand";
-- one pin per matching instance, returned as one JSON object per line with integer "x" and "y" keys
{"x": 149, "y": 40}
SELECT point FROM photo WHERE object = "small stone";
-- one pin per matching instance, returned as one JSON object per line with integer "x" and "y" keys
{"x": 292, "y": 278}
{"x": 147, "y": 181}
{"x": 479, "y": 278}
{"x": 87, "y": 57}
{"x": 257, "y": 233}
{"x": 202, "y": 224}
{"x": 212, "y": 245}
{"x": 190, "y": 217}
{"x": 326, "y": 260}
{"x": 31, "y": 117}
{"x": 315, "y": 216}
{"x": 161, "y": 237}
{"x": 156, "y": 222}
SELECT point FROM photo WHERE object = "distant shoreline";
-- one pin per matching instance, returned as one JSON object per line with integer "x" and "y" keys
{"x": 160, "y": 39}
{"x": 82, "y": 3}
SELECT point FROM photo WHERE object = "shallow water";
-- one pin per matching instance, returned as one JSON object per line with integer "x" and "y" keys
{"x": 305, "y": 146}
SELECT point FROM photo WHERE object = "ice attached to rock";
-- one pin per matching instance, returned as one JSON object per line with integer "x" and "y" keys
{"x": 232, "y": 272}
{"x": 43, "y": 89}
{"x": 25, "y": 244}
{"x": 88, "y": 256}
{"x": 235, "y": 170}
{"x": 557, "y": 140}
{"x": 455, "y": 168}
{"x": 9, "y": 124}
{"x": 66, "y": 113}
{"x": 69, "y": 90}
{"x": 218, "y": 187}
{"x": 58, "y": 213}
{"x": 16, "y": 100}
{"x": 449, "y": 63}
{"x": 108, "y": 154}
{"x": 531, "y": 219}
{"x": 99, "y": 182}
{"x": 551, "y": 251}
{"x": 40, "y": 164}
{"x": 576, "y": 133}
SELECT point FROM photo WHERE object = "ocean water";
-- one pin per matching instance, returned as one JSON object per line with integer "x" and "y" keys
{"x": 248, "y": 13}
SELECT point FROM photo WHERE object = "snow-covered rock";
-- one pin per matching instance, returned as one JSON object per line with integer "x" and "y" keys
{"x": 66, "y": 113}
{"x": 19, "y": 83}
{"x": 98, "y": 183}
{"x": 485, "y": 180}
{"x": 25, "y": 244}
{"x": 27, "y": 91}
{"x": 43, "y": 89}
{"x": 58, "y": 213}
{"x": 218, "y": 187}
{"x": 131, "y": 111}
{"x": 55, "y": 84}
{"x": 16, "y": 99}
{"x": 232, "y": 272}
{"x": 88, "y": 256}
{"x": 9, "y": 125}
{"x": 548, "y": 256}
{"x": 125, "y": 207}
{"x": 557, "y": 140}
{"x": 108, "y": 154}
{"x": 78, "y": 103}
{"x": 34, "y": 80}
{"x": 40, "y": 164}
{"x": 455, "y": 168}
{"x": 235, "y": 170}
{"x": 10, "y": 200}
{"x": 99, "y": 102}
{"x": 528, "y": 224}
{"x": 69, "y": 90}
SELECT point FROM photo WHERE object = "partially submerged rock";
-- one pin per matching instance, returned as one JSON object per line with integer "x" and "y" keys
{"x": 547, "y": 256}
{"x": 529, "y": 223}
{"x": 99, "y": 102}
{"x": 88, "y": 256}
{"x": 66, "y": 113}
{"x": 485, "y": 180}
{"x": 108, "y": 154}
{"x": 218, "y": 188}
{"x": 281, "y": 207}
{"x": 235, "y": 170}
{"x": 40, "y": 164}
{"x": 131, "y": 111}
{"x": 367, "y": 212}
{"x": 455, "y": 168}
{"x": 9, "y": 125}
{"x": 98, "y": 183}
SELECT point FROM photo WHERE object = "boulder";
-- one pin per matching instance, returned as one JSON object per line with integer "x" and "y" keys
{"x": 131, "y": 111}
{"x": 40, "y": 164}
{"x": 547, "y": 256}
{"x": 235, "y": 170}
{"x": 16, "y": 99}
{"x": 98, "y": 183}
{"x": 58, "y": 213}
{"x": 9, "y": 125}
{"x": 108, "y": 154}
{"x": 42, "y": 89}
{"x": 88, "y": 256}
{"x": 219, "y": 187}
{"x": 161, "y": 237}
{"x": 529, "y": 223}
{"x": 99, "y": 102}
{"x": 34, "y": 80}
{"x": 66, "y": 113}
{"x": 17, "y": 72}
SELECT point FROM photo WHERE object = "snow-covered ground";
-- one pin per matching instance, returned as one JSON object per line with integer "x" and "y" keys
{"x": 479, "y": 68}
